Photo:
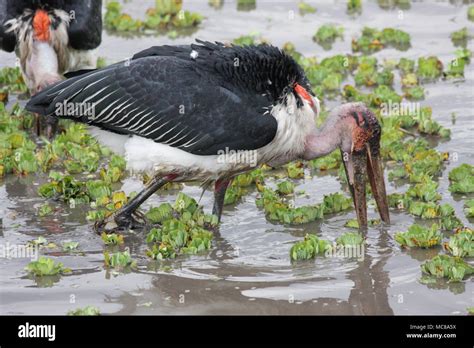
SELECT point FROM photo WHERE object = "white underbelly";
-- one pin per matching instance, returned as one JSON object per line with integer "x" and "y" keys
{"x": 146, "y": 156}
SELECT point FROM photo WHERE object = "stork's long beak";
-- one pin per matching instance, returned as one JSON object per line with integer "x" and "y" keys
{"x": 359, "y": 165}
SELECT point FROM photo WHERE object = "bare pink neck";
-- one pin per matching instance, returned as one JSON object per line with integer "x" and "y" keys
{"x": 324, "y": 140}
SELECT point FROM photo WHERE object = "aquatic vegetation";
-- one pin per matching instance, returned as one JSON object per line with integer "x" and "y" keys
{"x": 462, "y": 179}
{"x": 367, "y": 74}
{"x": 44, "y": 210}
{"x": 85, "y": 311}
{"x": 112, "y": 238}
{"x": 460, "y": 37}
{"x": 64, "y": 187}
{"x": 278, "y": 209}
{"x": 305, "y": 8}
{"x": 327, "y": 34}
{"x": 17, "y": 151}
{"x": 11, "y": 81}
{"x": 165, "y": 15}
{"x": 331, "y": 161}
{"x": 157, "y": 215}
{"x": 469, "y": 208}
{"x": 420, "y": 237}
{"x": 70, "y": 246}
{"x": 309, "y": 248}
{"x": 295, "y": 170}
{"x": 353, "y": 223}
{"x": 429, "y": 68}
{"x": 461, "y": 244}
{"x": 354, "y": 6}
{"x": 444, "y": 266}
{"x": 470, "y": 13}
{"x": 234, "y": 194}
{"x": 254, "y": 38}
{"x": 373, "y": 40}
{"x": 114, "y": 19}
{"x": 46, "y": 267}
{"x": 119, "y": 260}
{"x": 336, "y": 202}
{"x": 426, "y": 190}
{"x": 183, "y": 229}
{"x": 217, "y": 4}
{"x": 389, "y": 4}
{"x": 414, "y": 93}
{"x": 246, "y": 5}
{"x": 455, "y": 69}
{"x": 350, "y": 239}
{"x": 286, "y": 187}
{"x": 41, "y": 242}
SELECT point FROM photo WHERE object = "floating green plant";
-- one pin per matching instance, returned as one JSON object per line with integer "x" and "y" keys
{"x": 469, "y": 208}
{"x": 327, "y": 35}
{"x": 353, "y": 223}
{"x": 444, "y": 266}
{"x": 429, "y": 68}
{"x": 165, "y": 15}
{"x": 373, "y": 40}
{"x": 11, "y": 80}
{"x": 85, "y": 311}
{"x": 70, "y": 246}
{"x": 309, "y": 248}
{"x": 44, "y": 210}
{"x": 305, "y": 8}
{"x": 420, "y": 237}
{"x": 350, "y": 239}
{"x": 462, "y": 179}
{"x": 354, "y": 6}
{"x": 183, "y": 229}
{"x": 470, "y": 13}
{"x": 461, "y": 244}
{"x": 112, "y": 238}
{"x": 460, "y": 37}
{"x": 286, "y": 187}
{"x": 46, "y": 267}
{"x": 119, "y": 260}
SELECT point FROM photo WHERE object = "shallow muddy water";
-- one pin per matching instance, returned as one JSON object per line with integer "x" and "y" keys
{"x": 248, "y": 271}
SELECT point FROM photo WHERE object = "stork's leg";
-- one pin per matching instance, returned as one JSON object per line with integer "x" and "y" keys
{"x": 125, "y": 217}
{"x": 37, "y": 124}
{"x": 51, "y": 126}
{"x": 220, "y": 188}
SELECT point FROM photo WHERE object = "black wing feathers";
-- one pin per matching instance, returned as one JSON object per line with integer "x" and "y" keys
{"x": 190, "y": 97}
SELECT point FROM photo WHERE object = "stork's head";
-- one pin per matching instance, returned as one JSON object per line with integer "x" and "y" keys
{"x": 355, "y": 130}
{"x": 42, "y": 42}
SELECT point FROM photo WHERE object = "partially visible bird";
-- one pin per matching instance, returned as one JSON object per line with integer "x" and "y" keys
{"x": 173, "y": 111}
{"x": 50, "y": 38}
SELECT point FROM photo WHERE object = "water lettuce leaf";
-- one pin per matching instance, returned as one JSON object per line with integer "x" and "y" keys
{"x": 420, "y": 237}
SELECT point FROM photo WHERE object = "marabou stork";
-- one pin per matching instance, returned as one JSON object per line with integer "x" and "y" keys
{"x": 172, "y": 109}
{"x": 50, "y": 38}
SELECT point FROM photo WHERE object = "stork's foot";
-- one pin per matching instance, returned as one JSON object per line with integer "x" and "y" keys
{"x": 121, "y": 223}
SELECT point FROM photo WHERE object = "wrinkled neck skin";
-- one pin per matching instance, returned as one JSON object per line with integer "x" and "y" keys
{"x": 334, "y": 133}
{"x": 41, "y": 66}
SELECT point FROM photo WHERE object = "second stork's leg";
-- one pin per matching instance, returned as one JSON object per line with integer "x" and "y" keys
{"x": 123, "y": 218}
{"x": 220, "y": 188}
